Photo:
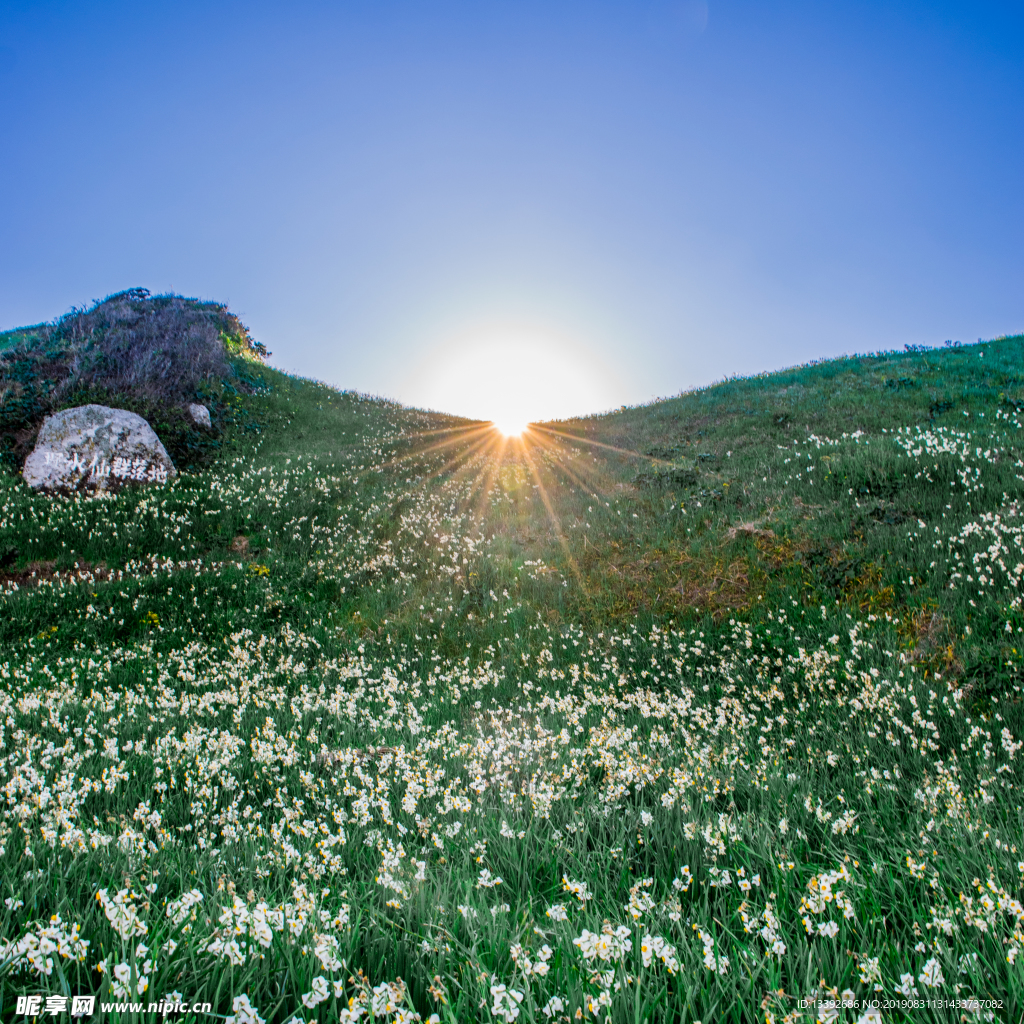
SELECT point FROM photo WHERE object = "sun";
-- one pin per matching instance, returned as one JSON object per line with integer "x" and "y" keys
{"x": 511, "y": 378}
{"x": 510, "y": 426}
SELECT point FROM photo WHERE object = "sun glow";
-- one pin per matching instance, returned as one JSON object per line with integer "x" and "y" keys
{"x": 510, "y": 426}
{"x": 511, "y": 379}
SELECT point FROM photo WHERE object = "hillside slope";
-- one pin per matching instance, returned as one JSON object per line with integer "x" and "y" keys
{"x": 686, "y": 712}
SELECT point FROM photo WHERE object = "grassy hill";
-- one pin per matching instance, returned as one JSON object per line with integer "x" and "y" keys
{"x": 687, "y": 712}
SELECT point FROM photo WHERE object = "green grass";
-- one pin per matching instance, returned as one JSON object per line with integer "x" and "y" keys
{"x": 373, "y": 659}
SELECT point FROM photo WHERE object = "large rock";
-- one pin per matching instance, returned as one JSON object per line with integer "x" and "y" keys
{"x": 95, "y": 447}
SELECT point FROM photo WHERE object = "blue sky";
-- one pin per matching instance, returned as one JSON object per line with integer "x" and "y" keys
{"x": 637, "y": 197}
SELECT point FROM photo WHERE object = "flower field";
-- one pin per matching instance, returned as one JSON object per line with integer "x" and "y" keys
{"x": 705, "y": 711}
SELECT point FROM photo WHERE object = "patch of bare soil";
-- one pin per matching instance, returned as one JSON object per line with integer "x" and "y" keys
{"x": 717, "y": 586}
{"x": 33, "y": 573}
{"x": 751, "y": 529}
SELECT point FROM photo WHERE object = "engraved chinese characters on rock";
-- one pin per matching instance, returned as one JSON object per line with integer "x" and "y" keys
{"x": 98, "y": 468}
{"x": 96, "y": 447}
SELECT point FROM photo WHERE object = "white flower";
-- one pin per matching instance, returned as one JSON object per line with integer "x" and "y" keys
{"x": 906, "y": 985}
{"x": 557, "y": 912}
{"x": 326, "y": 952}
{"x": 869, "y": 970}
{"x": 827, "y": 1013}
{"x": 123, "y": 977}
{"x": 552, "y": 1006}
{"x": 587, "y": 943}
{"x": 122, "y": 914}
{"x": 931, "y": 974}
{"x": 245, "y": 1012}
{"x": 506, "y": 1002}
{"x": 319, "y": 987}
{"x": 578, "y": 889}
{"x": 386, "y": 998}
{"x": 608, "y": 945}
{"x": 870, "y": 1016}
{"x": 712, "y": 961}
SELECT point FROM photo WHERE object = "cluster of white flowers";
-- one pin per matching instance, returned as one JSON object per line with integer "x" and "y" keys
{"x": 640, "y": 901}
{"x": 820, "y": 895}
{"x": 123, "y": 975}
{"x": 538, "y": 966}
{"x": 870, "y": 972}
{"x": 122, "y": 913}
{"x": 34, "y": 949}
{"x": 713, "y": 960}
{"x": 578, "y": 889}
{"x": 486, "y": 880}
{"x": 246, "y": 932}
{"x": 505, "y": 1003}
{"x": 553, "y": 1006}
{"x": 610, "y": 944}
{"x": 769, "y": 930}
{"x": 182, "y": 910}
{"x": 654, "y": 947}
{"x": 320, "y": 992}
{"x": 243, "y": 1012}
{"x": 931, "y": 977}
